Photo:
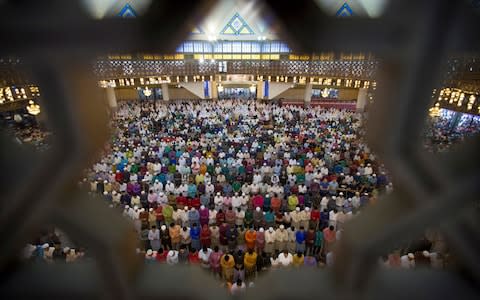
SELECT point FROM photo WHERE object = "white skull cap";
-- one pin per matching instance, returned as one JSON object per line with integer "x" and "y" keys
{"x": 261, "y": 229}
{"x": 257, "y": 209}
{"x": 297, "y": 209}
{"x": 282, "y": 226}
{"x": 270, "y": 229}
{"x": 163, "y": 227}
{"x": 307, "y": 208}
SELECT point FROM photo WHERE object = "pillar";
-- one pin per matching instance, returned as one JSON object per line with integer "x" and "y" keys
{"x": 361, "y": 99}
{"x": 307, "y": 96}
{"x": 111, "y": 98}
{"x": 260, "y": 93}
{"x": 165, "y": 95}
{"x": 214, "y": 90}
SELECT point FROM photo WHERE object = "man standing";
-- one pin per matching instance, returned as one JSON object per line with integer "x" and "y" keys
{"x": 285, "y": 259}
{"x": 300, "y": 240}
{"x": 214, "y": 261}
{"x": 250, "y": 262}
{"x": 281, "y": 238}
{"x": 174, "y": 232}
{"x": 204, "y": 256}
{"x": 269, "y": 241}
{"x": 227, "y": 263}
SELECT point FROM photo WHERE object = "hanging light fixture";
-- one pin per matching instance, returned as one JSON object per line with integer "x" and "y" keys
{"x": 147, "y": 92}
{"x": 252, "y": 88}
{"x": 434, "y": 111}
{"x": 220, "y": 88}
{"x": 325, "y": 92}
{"x": 32, "y": 108}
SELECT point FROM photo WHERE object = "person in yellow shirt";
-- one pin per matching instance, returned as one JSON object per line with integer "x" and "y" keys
{"x": 292, "y": 202}
{"x": 250, "y": 263}
{"x": 227, "y": 262}
{"x": 298, "y": 259}
{"x": 199, "y": 178}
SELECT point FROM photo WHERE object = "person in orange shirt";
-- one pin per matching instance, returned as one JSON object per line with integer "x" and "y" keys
{"x": 250, "y": 238}
{"x": 203, "y": 169}
{"x": 250, "y": 263}
{"x": 174, "y": 232}
{"x": 227, "y": 262}
{"x": 276, "y": 203}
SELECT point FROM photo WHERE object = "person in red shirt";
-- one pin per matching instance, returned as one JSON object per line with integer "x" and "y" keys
{"x": 195, "y": 202}
{"x": 161, "y": 256}
{"x": 257, "y": 201}
{"x": 193, "y": 257}
{"x": 119, "y": 176}
{"x": 181, "y": 201}
{"x": 314, "y": 217}
{"x": 205, "y": 236}
{"x": 220, "y": 217}
{"x": 224, "y": 228}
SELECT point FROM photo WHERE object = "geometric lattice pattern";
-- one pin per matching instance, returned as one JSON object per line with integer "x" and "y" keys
{"x": 237, "y": 26}
{"x": 354, "y": 69}
{"x": 411, "y": 39}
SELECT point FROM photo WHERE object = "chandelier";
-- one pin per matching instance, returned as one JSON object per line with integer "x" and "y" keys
{"x": 252, "y": 88}
{"x": 147, "y": 92}
{"x": 325, "y": 92}
{"x": 32, "y": 108}
{"x": 220, "y": 88}
{"x": 434, "y": 111}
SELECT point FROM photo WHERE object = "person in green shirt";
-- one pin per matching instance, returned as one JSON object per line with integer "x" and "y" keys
{"x": 248, "y": 218}
{"x": 172, "y": 169}
{"x": 300, "y": 178}
{"x": 211, "y": 169}
{"x": 318, "y": 244}
{"x": 134, "y": 168}
{"x": 237, "y": 186}
{"x": 167, "y": 213}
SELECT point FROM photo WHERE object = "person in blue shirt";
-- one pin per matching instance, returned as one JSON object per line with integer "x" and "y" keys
{"x": 227, "y": 189}
{"x": 192, "y": 190}
{"x": 269, "y": 218}
{"x": 300, "y": 239}
{"x": 195, "y": 236}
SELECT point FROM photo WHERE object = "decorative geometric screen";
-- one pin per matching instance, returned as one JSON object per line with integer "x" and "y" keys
{"x": 237, "y": 26}
{"x": 127, "y": 12}
{"x": 344, "y": 11}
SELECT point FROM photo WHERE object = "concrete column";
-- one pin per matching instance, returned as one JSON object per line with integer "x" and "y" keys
{"x": 260, "y": 92}
{"x": 214, "y": 94}
{"x": 165, "y": 94}
{"x": 361, "y": 99}
{"x": 111, "y": 98}
{"x": 307, "y": 96}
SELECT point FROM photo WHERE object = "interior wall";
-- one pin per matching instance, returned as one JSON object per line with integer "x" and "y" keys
{"x": 180, "y": 93}
{"x": 296, "y": 93}
{"x": 348, "y": 94}
{"x": 126, "y": 94}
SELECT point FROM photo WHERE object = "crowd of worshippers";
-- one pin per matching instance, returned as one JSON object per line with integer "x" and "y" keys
{"x": 237, "y": 187}
{"x": 442, "y": 132}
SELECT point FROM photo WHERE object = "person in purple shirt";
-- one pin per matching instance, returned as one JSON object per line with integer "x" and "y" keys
{"x": 204, "y": 214}
{"x": 310, "y": 261}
